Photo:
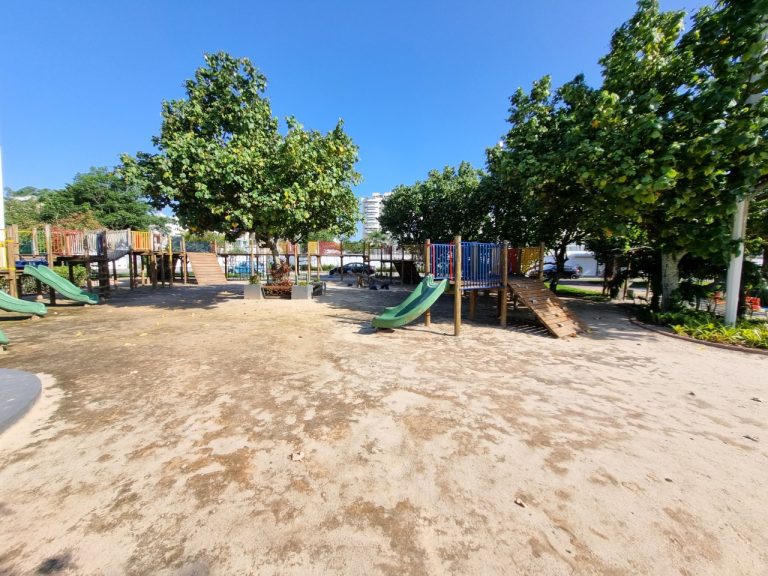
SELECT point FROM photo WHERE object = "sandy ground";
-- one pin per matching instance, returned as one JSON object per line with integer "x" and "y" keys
{"x": 162, "y": 444}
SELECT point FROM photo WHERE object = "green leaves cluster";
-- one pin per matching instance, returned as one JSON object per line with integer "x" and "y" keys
{"x": 655, "y": 157}
{"x": 96, "y": 199}
{"x": 223, "y": 165}
{"x": 438, "y": 208}
{"x": 661, "y": 152}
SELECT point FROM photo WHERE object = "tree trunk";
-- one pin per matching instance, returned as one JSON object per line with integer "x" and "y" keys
{"x": 670, "y": 278}
{"x": 272, "y": 245}
{"x": 764, "y": 267}
{"x": 560, "y": 254}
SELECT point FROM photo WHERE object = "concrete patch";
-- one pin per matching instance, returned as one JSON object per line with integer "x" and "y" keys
{"x": 18, "y": 392}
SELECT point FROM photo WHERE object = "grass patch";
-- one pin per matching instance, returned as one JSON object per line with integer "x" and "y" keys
{"x": 703, "y": 326}
{"x": 574, "y": 292}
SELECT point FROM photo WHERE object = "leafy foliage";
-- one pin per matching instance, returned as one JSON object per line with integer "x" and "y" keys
{"x": 704, "y": 326}
{"x": 223, "y": 164}
{"x": 79, "y": 273}
{"x": 96, "y": 199}
{"x": 535, "y": 190}
{"x": 679, "y": 137}
{"x": 442, "y": 206}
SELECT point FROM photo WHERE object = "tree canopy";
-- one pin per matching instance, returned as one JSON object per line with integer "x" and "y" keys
{"x": 437, "y": 209}
{"x": 223, "y": 164}
{"x": 658, "y": 155}
{"x": 95, "y": 199}
{"x": 679, "y": 139}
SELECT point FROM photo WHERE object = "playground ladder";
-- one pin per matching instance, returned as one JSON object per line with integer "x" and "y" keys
{"x": 547, "y": 307}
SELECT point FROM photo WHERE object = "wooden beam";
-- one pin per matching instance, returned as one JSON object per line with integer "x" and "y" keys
{"x": 457, "y": 286}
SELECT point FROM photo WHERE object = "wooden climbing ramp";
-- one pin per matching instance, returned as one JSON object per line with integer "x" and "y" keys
{"x": 546, "y": 306}
{"x": 206, "y": 268}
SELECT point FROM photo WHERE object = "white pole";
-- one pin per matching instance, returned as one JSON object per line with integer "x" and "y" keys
{"x": 733, "y": 280}
{"x": 2, "y": 194}
{"x": 739, "y": 230}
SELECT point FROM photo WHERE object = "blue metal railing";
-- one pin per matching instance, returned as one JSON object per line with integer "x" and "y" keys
{"x": 480, "y": 264}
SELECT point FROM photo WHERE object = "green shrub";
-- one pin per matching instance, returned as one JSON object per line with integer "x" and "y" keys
{"x": 703, "y": 326}
{"x": 79, "y": 272}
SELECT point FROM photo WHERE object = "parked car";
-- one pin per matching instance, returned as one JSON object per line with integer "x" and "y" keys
{"x": 245, "y": 268}
{"x": 354, "y": 268}
{"x": 550, "y": 268}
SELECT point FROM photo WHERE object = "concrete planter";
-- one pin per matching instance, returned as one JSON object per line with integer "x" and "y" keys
{"x": 253, "y": 292}
{"x": 301, "y": 292}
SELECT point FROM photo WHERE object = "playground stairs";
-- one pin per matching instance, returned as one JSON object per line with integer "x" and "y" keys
{"x": 406, "y": 269}
{"x": 206, "y": 268}
{"x": 547, "y": 307}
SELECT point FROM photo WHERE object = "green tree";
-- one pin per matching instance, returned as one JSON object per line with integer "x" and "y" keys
{"x": 98, "y": 198}
{"x": 535, "y": 190}
{"x": 23, "y": 206}
{"x": 437, "y": 209}
{"x": 223, "y": 164}
{"x": 378, "y": 238}
{"x": 678, "y": 140}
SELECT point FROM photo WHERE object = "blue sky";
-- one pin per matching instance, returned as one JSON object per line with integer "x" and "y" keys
{"x": 420, "y": 85}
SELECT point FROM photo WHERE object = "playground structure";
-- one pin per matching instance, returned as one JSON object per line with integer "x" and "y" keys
{"x": 146, "y": 250}
{"x": 473, "y": 267}
{"x": 157, "y": 258}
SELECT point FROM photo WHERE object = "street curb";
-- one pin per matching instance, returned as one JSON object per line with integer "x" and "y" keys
{"x": 704, "y": 342}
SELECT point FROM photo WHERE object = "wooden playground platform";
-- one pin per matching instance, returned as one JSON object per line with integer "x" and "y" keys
{"x": 157, "y": 258}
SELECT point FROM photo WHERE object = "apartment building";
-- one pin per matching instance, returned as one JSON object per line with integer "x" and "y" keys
{"x": 371, "y": 211}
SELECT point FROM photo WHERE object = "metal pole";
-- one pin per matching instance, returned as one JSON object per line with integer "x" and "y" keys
{"x": 739, "y": 229}
{"x": 733, "y": 280}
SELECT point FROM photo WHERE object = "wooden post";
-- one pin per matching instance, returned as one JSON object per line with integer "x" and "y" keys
{"x": 252, "y": 266}
{"x": 296, "y": 261}
{"x": 184, "y": 259}
{"x": 504, "y": 278}
{"x": 131, "y": 269}
{"x": 160, "y": 266}
{"x": 541, "y": 261}
{"x": 171, "y": 267}
{"x": 87, "y": 260}
{"x": 309, "y": 265}
{"x": 49, "y": 255}
{"x": 427, "y": 272}
{"x": 152, "y": 264}
{"x": 457, "y": 286}
{"x": 11, "y": 250}
{"x": 472, "y": 304}
{"x": 35, "y": 251}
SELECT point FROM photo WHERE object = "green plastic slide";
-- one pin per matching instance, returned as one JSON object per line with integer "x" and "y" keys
{"x": 419, "y": 301}
{"x": 61, "y": 285}
{"x": 11, "y": 304}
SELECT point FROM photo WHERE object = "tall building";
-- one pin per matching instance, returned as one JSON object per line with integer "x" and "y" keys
{"x": 371, "y": 212}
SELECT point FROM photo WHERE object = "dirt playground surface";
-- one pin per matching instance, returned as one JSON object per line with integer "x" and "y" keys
{"x": 187, "y": 432}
